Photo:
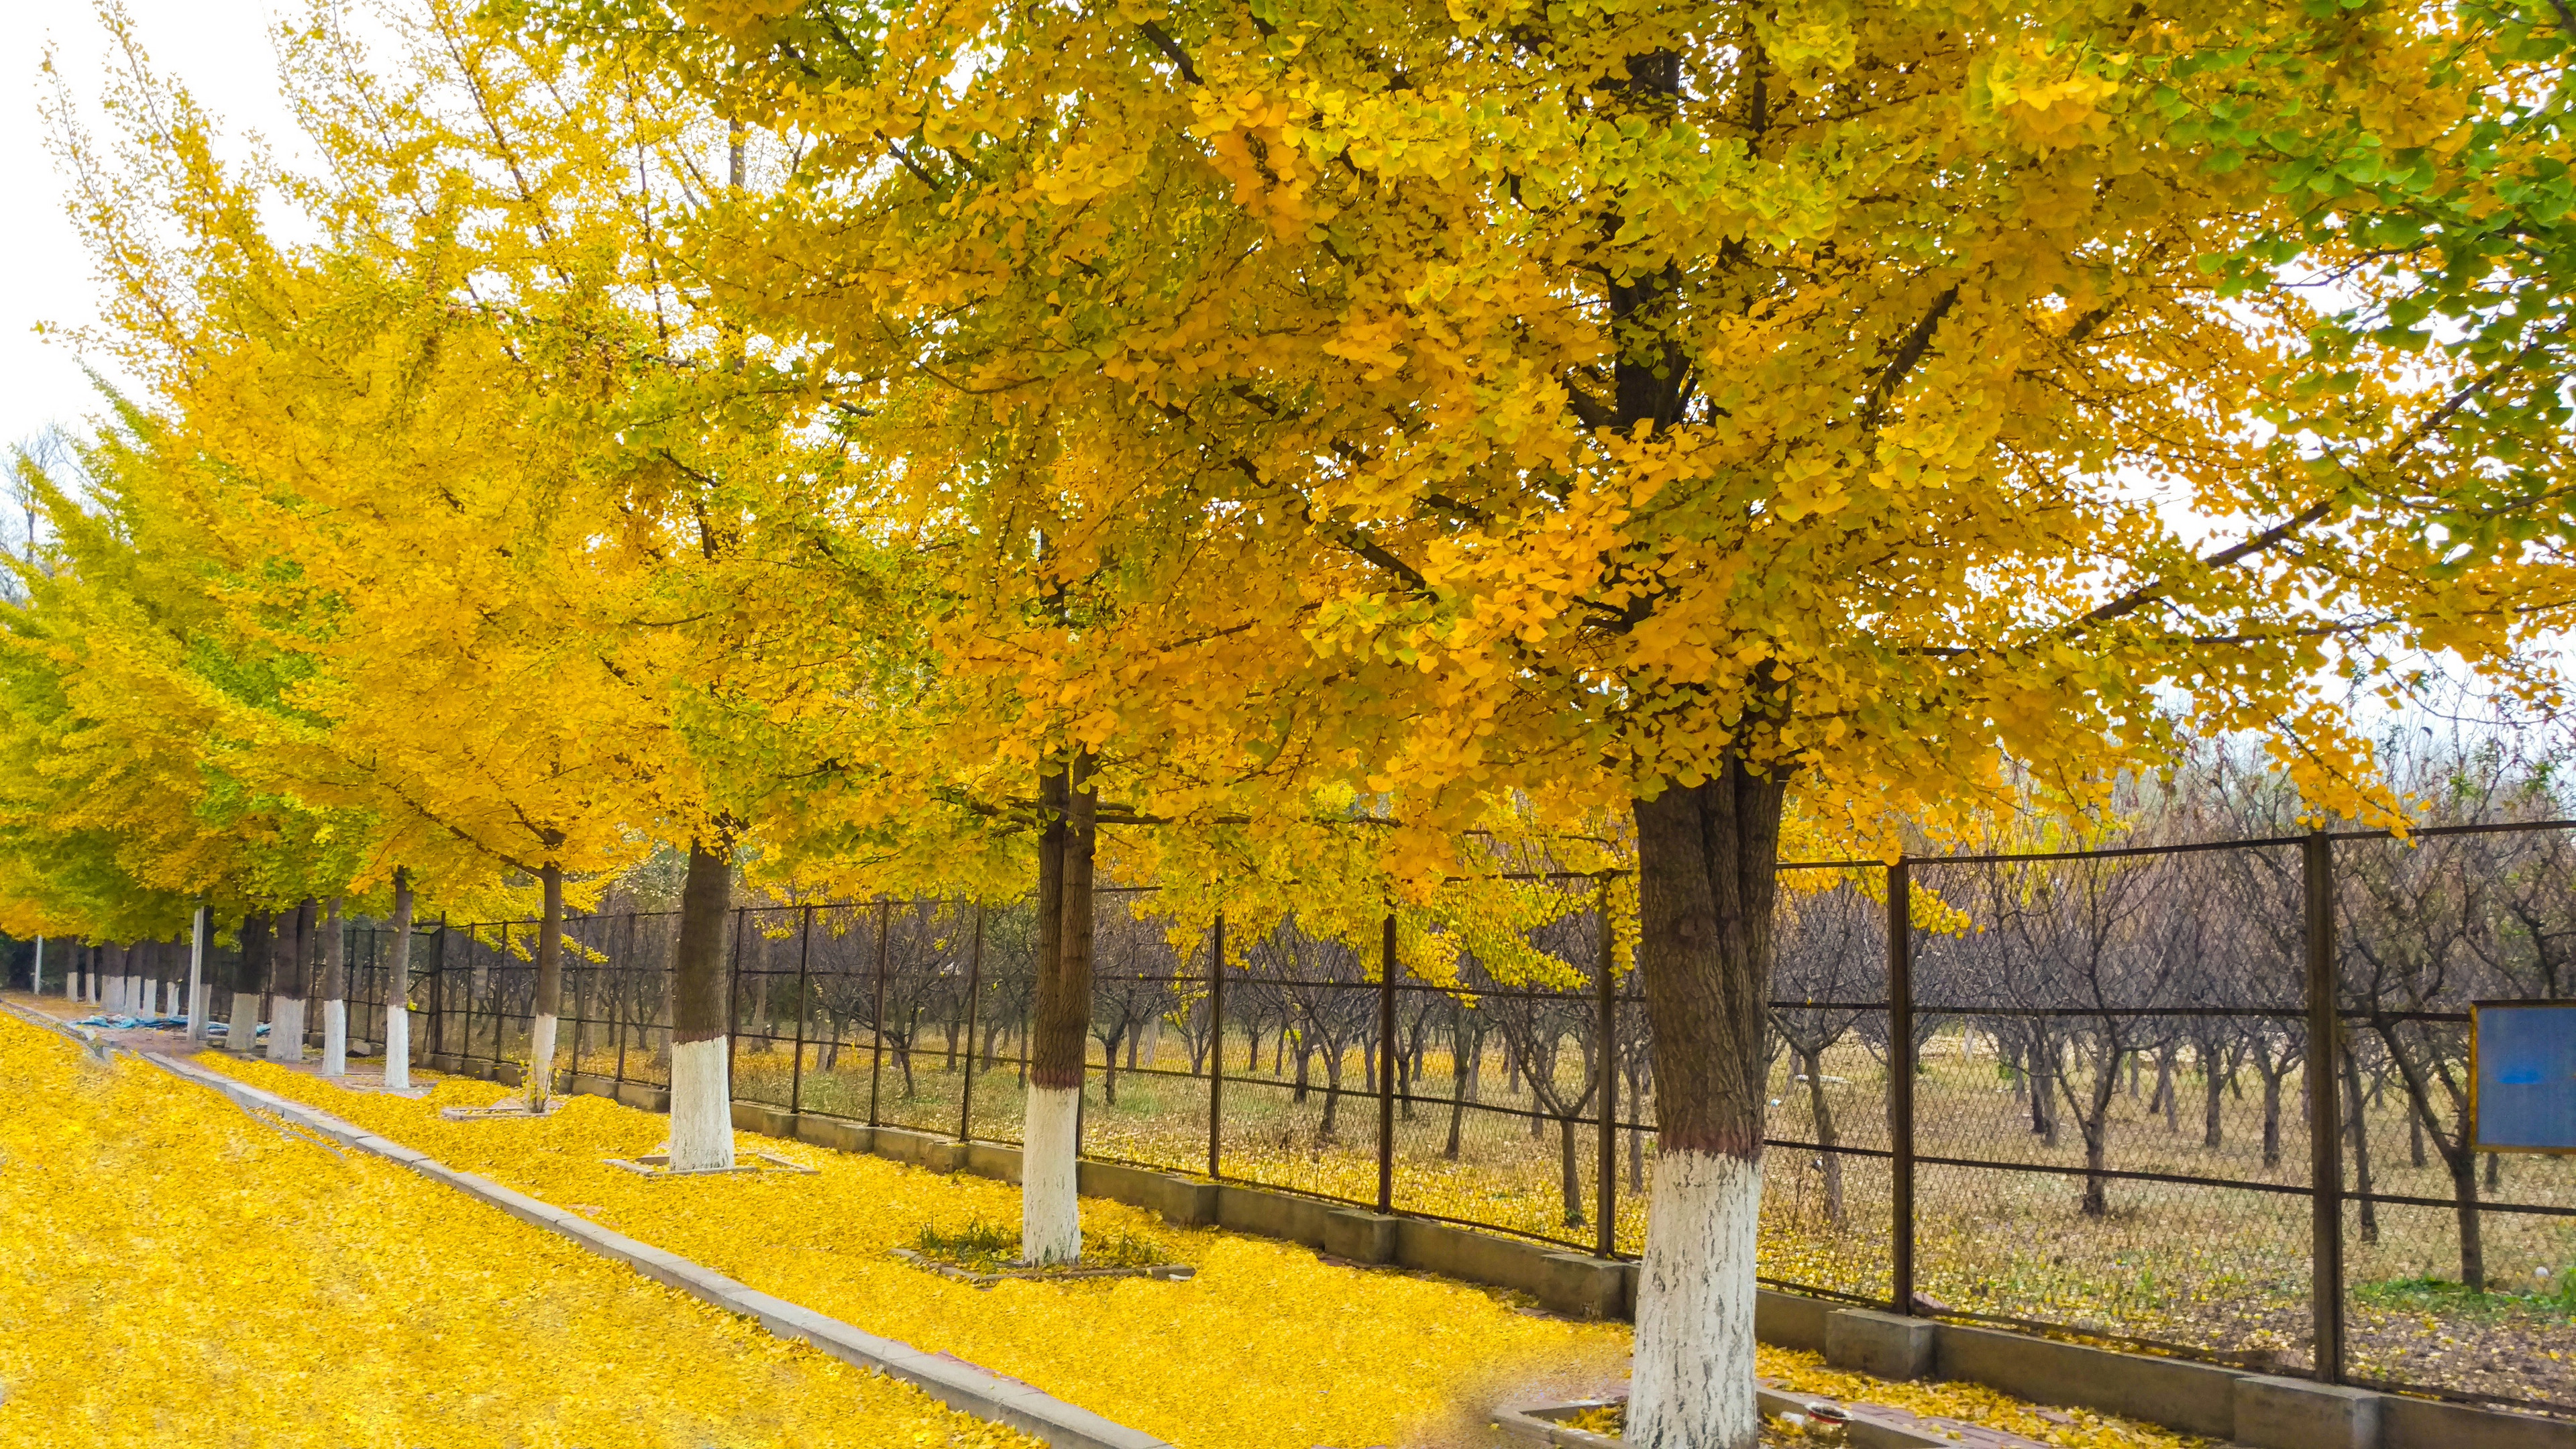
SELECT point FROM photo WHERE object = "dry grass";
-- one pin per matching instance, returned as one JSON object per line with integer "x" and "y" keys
{"x": 2213, "y": 1270}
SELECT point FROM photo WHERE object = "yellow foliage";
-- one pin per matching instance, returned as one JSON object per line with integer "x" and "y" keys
{"x": 173, "y": 1270}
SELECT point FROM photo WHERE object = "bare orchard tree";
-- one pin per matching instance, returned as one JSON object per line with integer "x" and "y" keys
{"x": 1131, "y": 983}
{"x": 1536, "y": 1025}
{"x": 1829, "y": 953}
{"x": 1323, "y": 985}
{"x": 2430, "y": 925}
{"x": 2087, "y": 954}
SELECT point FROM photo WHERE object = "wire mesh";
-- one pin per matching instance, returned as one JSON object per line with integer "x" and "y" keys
{"x": 2107, "y": 1054}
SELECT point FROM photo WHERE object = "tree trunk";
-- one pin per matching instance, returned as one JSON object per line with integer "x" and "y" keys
{"x": 548, "y": 1010}
{"x": 398, "y": 990}
{"x": 2047, "y": 1072}
{"x": 2214, "y": 1089}
{"x": 701, "y": 1098}
{"x": 2271, "y": 1075}
{"x": 2463, "y": 1163}
{"x": 2095, "y": 1124}
{"x": 1706, "y": 857}
{"x": 1466, "y": 1064}
{"x": 1332, "y": 1055}
{"x": 2357, "y": 1125}
{"x": 294, "y": 960}
{"x": 1305, "y": 1055}
{"x": 1109, "y": 1060}
{"x": 1569, "y": 1180}
{"x": 2036, "y": 1081}
{"x": 335, "y": 994}
{"x": 1823, "y": 1113}
{"x": 1050, "y": 1214}
{"x": 250, "y": 981}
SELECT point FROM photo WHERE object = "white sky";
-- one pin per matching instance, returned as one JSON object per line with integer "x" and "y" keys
{"x": 218, "y": 48}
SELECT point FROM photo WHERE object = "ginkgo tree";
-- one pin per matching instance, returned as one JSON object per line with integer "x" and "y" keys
{"x": 1669, "y": 408}
{"x": 454, "y": 468}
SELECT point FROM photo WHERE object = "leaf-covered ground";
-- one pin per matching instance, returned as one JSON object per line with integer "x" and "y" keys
{"x": 1269, "y": 1347}
{"x": 176, "y": 1271}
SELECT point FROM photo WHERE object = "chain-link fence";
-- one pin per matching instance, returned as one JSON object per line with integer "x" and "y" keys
{"x": 2070, "y": 1092}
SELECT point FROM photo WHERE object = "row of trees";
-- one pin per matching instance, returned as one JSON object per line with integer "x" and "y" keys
{"x": 922, "y": 450}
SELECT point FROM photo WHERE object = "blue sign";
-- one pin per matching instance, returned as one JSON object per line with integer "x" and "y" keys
{"x": 2525, "y": 1097}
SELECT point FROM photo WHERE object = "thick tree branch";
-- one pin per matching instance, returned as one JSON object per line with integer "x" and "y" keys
{"x": 1171, "y": 50}
{"x": 1909, "y": 355}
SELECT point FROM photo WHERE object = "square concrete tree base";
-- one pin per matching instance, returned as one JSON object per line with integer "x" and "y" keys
{"x": 514, "y": 1109}
{"x": 1864, "y": 1426}
{"x": 658, "y": 1164}
{"x": 1550, "y": 1424}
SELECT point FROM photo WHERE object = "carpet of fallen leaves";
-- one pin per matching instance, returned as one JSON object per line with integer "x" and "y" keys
{"x": 176, "y": 1271}
{"x": 1269, "y": 1347}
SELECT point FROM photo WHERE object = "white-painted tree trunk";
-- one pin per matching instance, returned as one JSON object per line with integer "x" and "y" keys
{"x": 40, "y": 966}
{"x": 1692, "y": 1384}
{"x": 541, "y": 1065}
{"x": 397, "y": 1045}
{"x": 243, "y": 1035}
{"x": 286, "y": 1030}
{"x": 1050, "y": 1212}
{"x": 197, "y": 975}
{"x": 701, "y": 1109}
{"x": 335, "y": 1038}
{"x": 398, "y": 990}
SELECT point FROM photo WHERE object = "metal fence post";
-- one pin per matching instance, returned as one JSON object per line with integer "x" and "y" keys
{"x": 1606, "y": 1164}
{"x": 1386, "y": 1074}
{"x": 582, "y": 990}
{"x": 733, "y": 1004}
{"x": 876, "y": 1022}
{"x": 465, "y": 1051}
{"x": 617, "y": 988}
{"x": 804, "y": 953}
{"x": 1216, "y": 1047}
{"x": 438, "y": 992}
{"x": 1900, "y": 1082}
{"x": 500, "y": 979}
{"x": 2325, "y": 1125}
{"x": 974, "y": 983}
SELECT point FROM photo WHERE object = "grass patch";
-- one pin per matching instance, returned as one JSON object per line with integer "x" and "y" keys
{"x": 2442, "y": 1295}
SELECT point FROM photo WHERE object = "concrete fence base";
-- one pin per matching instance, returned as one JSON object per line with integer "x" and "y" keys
{"x": 2252, "y": 1410}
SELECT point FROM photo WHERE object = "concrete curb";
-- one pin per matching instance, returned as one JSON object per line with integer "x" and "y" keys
{"x": 953, "y": 1382}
